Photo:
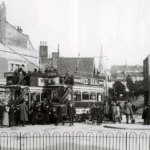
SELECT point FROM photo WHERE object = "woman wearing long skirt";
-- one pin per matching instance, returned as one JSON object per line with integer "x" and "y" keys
{"x": 5, "y": 120}
{"x": 12, "y": 121}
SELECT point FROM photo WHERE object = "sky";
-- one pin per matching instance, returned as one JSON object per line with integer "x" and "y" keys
{"x": 121, "y": 27}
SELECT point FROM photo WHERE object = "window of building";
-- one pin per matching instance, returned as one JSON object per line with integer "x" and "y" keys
{"x": 12, "y": 67}
{"x": 17, "y": 66}
{"x": 85, "y": 96}
{"x": 77, "y": 96}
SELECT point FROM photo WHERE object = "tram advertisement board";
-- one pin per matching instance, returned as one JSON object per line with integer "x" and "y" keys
{"x": 88, "y": 81}
{"x": 36, "y": 81}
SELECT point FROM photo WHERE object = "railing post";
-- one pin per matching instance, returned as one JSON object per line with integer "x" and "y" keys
{"x": 20, "y": 140}
{"x": 126, "y": 141}
{"x": 72, "y": 140}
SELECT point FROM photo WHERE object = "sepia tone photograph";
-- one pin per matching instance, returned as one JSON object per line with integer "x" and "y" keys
{"x": 74, "y": 74}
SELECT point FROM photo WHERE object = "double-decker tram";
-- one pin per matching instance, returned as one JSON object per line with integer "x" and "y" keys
{"x": 56, "y": 89}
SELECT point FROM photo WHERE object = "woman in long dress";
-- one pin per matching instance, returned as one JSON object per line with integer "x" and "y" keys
{"x": 5, "y": 120}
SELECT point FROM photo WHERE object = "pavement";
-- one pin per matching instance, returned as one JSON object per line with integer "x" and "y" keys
{"x": 83, "y": 127}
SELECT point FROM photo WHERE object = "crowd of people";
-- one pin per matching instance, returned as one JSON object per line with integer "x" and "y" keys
{"x": 111, "y": 111}
{"x": 11, "y": 115}
{"x": 35, "y": 113}
{"x": 42, "y": 113}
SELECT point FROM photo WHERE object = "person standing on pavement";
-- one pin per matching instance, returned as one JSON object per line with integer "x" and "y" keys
{"x": 127, "y": 111}
{"x": 23, "y": 113}
{"x": 99, "y": 110}
{"x": 2, "y": 109}
{"x": 5, "y": 120}
{"x": 31, "y": 107}
{"x": 71, "y": 113}
{"x": 145, "y": 114}
{"x": 93, "y": 112}
{"x": 106, "y": 111}
{"x": 17, "y": 115}
{"x": 60, "y": 115}
{"x": 113, "y": 112}
{"x": 118, "y": 113}
{"x": 12, "y": 120}
{"x": 148, "y": 115}
{"x": 46, "y": 114}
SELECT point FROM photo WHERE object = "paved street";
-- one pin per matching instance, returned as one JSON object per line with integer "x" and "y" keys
{"x": 83, "y": 127}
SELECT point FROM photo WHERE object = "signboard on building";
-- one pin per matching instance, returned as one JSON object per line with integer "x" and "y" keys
{"x": 88, "y": 81}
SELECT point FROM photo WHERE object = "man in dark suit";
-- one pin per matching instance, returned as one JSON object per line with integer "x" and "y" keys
{"x": 2, "y": 109}
{"x": 71, "y": 113}
{"x": 60, "y": 115}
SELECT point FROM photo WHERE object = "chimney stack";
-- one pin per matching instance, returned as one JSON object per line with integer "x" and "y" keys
{"x": 19, "y": 29}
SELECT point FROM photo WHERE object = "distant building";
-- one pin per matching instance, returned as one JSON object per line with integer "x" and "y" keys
{"x": 14, "y": 45}
{"x": 79, "y": 66}
{"x": 121, "y": 72}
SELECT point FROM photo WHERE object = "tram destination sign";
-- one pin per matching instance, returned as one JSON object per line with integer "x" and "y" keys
{"x": 9, "y": 74}
{"x": 88, "y": 81}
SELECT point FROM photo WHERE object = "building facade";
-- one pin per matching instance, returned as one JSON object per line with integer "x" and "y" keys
{"x": 16, "y": 48}
{"x": 146, "y": 72}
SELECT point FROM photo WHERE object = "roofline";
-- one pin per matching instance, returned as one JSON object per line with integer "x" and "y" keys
{"x": 76, "y": 57}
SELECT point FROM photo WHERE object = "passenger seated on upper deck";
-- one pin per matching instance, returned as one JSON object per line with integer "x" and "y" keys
{"x": 55, "y": 99}
{"x": 51, "y": 69}
{"x": 35, "y": 70}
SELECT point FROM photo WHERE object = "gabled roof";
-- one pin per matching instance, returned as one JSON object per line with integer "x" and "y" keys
{"x": 14, "y": 37}
{"x": 121, "y": 75}
{"x": 83, "y": 66}
{"x": 139, "y": 74}
{"x": 131, "y": 74}
{"x": 126, "y": 68}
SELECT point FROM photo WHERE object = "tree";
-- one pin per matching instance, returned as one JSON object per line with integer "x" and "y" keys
{"x": 118, "y": 87}
{"x": 136, "y": 88}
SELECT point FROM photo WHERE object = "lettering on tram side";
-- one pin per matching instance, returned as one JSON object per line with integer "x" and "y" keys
{"x": 84, "y": 81}
{"x": 88, "y": 81}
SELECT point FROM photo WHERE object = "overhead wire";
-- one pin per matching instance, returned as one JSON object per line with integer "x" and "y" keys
{"x": 21, "y": 55}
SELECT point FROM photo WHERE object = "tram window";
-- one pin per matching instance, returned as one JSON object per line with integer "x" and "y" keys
{"x": 85, "y": 96}
{"x": 92, "y": 96}
{"x": 35, "y": 97}
{"x": 98, "y": 97}
{"x": 77, "y": 96}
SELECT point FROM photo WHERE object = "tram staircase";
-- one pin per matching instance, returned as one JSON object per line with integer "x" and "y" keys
{"x": 25, "y": 91}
